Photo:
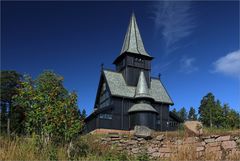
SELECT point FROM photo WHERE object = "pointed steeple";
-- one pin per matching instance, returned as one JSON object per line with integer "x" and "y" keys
{"x": 142, "y": 90}
{"x": 133, "y": 41}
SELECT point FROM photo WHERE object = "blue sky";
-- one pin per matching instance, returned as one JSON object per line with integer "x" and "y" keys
{"x": 195, "y": 44}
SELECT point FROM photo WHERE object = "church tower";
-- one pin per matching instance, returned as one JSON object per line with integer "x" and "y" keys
{"x": 128, "y": 96}
{"x": 133, "y": 57}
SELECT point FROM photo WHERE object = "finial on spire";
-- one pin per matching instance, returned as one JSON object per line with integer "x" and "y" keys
{"x": 102, "y": 66}
{"x": 133, "y": 13}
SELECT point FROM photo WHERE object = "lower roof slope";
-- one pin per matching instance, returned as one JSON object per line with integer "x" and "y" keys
{"x": 118, "y": 87}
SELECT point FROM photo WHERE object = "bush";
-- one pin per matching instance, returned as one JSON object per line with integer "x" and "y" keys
{"x": 78, "y": 148}
{"x": 143, "y": 157}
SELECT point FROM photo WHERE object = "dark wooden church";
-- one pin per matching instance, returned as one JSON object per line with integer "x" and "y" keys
{"x": 129, "y": 96}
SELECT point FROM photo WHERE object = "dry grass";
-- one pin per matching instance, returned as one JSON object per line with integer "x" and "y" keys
{"x": 189, "y": 153}
{"x": 184, "y": 152}
{"x": 221, "y": 131}
{"x": 206, "y": 132}
{"x": 21, "y": 148}
{"x": 26, "y": 149}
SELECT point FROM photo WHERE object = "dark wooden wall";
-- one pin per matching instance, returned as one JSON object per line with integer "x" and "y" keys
{"x": 130, "y": 66}
{"x": 120, "y": 117}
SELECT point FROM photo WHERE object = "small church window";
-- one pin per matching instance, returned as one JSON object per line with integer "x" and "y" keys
{"x": 105, "y": 116}
{"x": 138, "y": 62}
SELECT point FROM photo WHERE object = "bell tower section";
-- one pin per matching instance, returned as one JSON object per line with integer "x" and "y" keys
{"x": 133, "y": 57}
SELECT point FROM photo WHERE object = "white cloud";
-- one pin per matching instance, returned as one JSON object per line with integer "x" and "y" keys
{"x": 187, "y": 65}
{"x": 229, "y": 64}
{"x": 175, "y": 21}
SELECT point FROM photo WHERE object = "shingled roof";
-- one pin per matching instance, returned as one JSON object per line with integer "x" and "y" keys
{"x": 118, "y": 87}
{"x": 142, "y": 90}
{"x": 141, "y": 107}
{"x": 133, "y": 42}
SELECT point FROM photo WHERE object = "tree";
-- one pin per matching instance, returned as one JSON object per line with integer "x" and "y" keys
{"x": 225, "y": 109}
{"x": 175, "y": 111}
{"x": 206, "y": 109}
{"x": 182, "y": 113}
{"x": 192, "y": 114}
{"x": 217, "y": 114}
{"x": 232, "y": 119}
{"x": 83, "y": 114}
{"x": 11, "y": 116}
{"x": 9, "y": 83}
{"x": 51, "y": 111}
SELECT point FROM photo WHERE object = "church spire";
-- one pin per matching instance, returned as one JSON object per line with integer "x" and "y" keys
{"x": 142, "y": 90}
{"x": 133, "y": 41}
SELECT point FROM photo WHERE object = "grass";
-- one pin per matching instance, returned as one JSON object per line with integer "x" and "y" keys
{"x": 180, "y": 133}
{"x": 85, "y": 148}
{"x": 89, "y": 148}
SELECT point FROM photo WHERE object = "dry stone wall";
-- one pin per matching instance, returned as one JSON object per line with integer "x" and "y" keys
{"x": 211, "y": 147}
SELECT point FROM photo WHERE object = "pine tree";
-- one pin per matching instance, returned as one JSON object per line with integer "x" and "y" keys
{"x": 217, "y": 114}
{"x": 175, "y": 111}
{"x": 206, "y": 109}
{"x": 192, "y": 114}
{"x": 11, "y": 115}
{"x": 232, "y": 119}
{"x": 182, "y": 113}
{"x": 84, "y": 114}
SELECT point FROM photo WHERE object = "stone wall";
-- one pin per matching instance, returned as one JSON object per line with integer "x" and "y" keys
{"x": 212, "y": 147}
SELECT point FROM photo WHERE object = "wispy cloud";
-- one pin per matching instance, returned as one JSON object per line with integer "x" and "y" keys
{"x": 187, "y": 65}
{"x": 229, "y": 64}
{"x": 175, "y": 21}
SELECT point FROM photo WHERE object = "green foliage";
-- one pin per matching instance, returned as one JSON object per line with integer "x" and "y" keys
{"x": 182, "y": 113}
{"x": 53, "y": 154}
{"x": 10, "y": 81}
{"x": 79, "y": 148}
{"x": 175, "y": 111}
{"x": 51, "y": 111}
{"x": 143, "y": 157}
{"x": 206, "y": 109}
{"x": 84, "y": 114}
{"x": 192, "y": 114}
{"x": 213, "y": 114}
{"x": 116, "y": 156}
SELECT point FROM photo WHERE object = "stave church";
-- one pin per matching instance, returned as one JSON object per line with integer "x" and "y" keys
{"x": 129, "y": 96}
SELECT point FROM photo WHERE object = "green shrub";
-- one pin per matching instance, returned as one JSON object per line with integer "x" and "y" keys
{"x": 143, "y": 157}
{"x": 79, "y": 148}
{"x": 53, "y": 153}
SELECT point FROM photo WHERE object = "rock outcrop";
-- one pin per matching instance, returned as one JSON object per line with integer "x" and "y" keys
{"x": 193, "y": 128}
{"x": 142, "y": 132}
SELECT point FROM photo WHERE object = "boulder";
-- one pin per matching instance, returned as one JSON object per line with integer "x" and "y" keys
{"x": 193, "y": 128}
{"x": 143, "y": 132}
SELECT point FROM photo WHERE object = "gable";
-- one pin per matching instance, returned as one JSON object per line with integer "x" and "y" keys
{"x": 103, "y": 94}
